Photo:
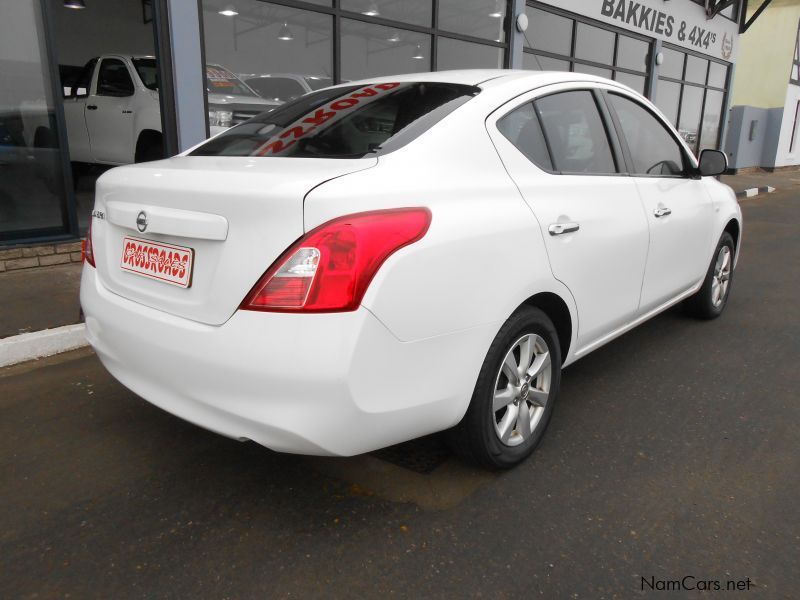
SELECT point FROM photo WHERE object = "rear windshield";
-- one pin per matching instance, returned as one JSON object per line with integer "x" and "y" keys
{"x": 221, "y": 81}
{"x": 344, "y": 122}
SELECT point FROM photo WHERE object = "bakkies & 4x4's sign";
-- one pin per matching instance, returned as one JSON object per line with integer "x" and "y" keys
{"x": 682, "y": 23}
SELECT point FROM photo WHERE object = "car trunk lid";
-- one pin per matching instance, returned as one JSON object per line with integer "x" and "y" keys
{"x": 237, "y": 215}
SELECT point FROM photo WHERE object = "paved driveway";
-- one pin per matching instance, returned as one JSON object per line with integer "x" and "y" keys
{"x": 674, "y": 452}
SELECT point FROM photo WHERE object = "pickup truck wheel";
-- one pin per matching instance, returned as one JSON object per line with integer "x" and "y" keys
{"x": 150, "y": 146}
{"x": 514, "y": 395}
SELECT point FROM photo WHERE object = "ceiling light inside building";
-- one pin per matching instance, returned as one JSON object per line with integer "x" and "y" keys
{"x": 498, "y": 11}
{"x": 229, "y": 11}
{"x": 394, "y": 36}
{"x": 372, "y": 10}
{"x": 285, "y": 33}
{"x": 76, "y": 4}
{"x": 418, "y": 55}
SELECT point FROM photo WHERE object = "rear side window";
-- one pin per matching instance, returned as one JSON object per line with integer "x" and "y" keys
{"x": 653, "y": 150}
{"x": 522, "y": 128}
{"x": 344, "y": 122}
{"x": 575, "y": 133}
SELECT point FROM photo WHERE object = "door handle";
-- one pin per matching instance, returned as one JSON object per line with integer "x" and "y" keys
{"x": 91, "y": 107}
{"x": 662, "y": 212}
{"x": 561, "y": 228}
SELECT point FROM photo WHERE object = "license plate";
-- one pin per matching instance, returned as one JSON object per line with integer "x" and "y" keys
{"x": 164, "y": 262}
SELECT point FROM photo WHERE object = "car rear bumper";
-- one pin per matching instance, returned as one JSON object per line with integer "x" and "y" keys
{"x": 336, "y": 384}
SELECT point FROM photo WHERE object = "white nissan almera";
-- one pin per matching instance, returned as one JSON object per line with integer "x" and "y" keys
{"x": 381, "y": 260}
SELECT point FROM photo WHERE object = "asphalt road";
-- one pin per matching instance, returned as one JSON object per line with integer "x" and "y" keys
{"x": 673, "y": 452}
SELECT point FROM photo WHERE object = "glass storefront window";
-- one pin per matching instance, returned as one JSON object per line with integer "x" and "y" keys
{"x": 458, "y": 54}
{"x": 594, "y": 44}
{"x": 590, "y": 70}
{"x": 668, "y": 98}
{"x": 416, "y": 12}
{"x": 637, "y": 82}
{"x": 374, "y": 50}
{"x": 32, "y": 188}
{"x": 476, "y": 18}
{"x": 717, "y": 75}
{"x": 260, "y": 42}
{"x": 534, "y": 62}
{"x": 632, "y": 53}
{"x": 548, "y": 31}
{"x": 673, "y": 64}
{"x": 696, "y": 69}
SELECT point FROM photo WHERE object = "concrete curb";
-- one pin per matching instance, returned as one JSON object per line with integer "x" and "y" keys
{"x": 38, "y": 344}
{"x": 751, "y": 192}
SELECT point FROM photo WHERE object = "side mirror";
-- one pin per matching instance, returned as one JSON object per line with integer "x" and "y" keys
{"x": 713, "y": 162}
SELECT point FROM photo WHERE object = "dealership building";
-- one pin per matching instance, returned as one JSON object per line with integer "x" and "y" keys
{"x": 679, "y": 53}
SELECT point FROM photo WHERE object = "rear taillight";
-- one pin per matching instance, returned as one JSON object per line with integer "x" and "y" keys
{"x": 330, "y": 268}
{"x": 88, "y": 250}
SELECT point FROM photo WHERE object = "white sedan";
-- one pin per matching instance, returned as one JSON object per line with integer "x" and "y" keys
{"x": 385, "y": 259}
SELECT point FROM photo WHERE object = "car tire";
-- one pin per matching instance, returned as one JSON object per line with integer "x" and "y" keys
{"x": 712, "y": 297}
{"x": 492, "y": 435}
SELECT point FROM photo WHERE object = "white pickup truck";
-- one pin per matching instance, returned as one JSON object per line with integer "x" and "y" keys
{"x": 113, "y": 115}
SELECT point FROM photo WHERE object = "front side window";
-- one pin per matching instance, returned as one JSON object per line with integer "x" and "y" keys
{"x": 653, "y": 150}
{"x": 81, "y": 87}
{"x": 521, "y": 127}
{"x": 343, "y": 122}
{"x": 575, "y": 133}
{"x": 114, "y": 79}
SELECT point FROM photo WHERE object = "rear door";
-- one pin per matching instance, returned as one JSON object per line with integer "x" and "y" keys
{"x": 109, "y": 113}
{"x": 679, "y": 210}
{"x": 556, "y": 146}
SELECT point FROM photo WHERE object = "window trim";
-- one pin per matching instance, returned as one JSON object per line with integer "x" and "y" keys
{"x": 690, "y": 171}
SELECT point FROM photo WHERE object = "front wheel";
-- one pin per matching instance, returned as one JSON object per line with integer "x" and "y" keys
{"x": 514, "y": 396}
{"x": 711, "y": 298}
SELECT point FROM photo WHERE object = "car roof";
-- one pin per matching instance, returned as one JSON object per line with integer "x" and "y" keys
{"x": 486, "y": 77}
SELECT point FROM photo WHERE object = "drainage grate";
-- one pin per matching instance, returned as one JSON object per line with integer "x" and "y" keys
{"x": 422, "y": 455}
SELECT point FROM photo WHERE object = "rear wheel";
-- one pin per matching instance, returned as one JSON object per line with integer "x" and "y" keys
{"x": 711, "y": 298}
{"x": 514, "y": 396}
{"x": 150, "y": 146}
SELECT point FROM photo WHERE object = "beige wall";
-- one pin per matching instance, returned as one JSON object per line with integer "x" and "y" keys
{"x": 765, "y": 57}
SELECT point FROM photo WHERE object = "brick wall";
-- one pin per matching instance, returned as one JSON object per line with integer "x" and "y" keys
{"x": 13, "y": 259}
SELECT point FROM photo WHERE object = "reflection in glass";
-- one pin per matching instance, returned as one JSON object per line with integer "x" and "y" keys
{"x": 709, "y": 135}
{"x": 668, "y": 98}
{"x": 456, "y": 54}
{"x": 543, "y": 63}
{"x": 691, "y": 107}
{"x": 373, "y": 50}
{"x": 32, "y": 190}
{"x": 548, "y": 32}
{"x": 594, "y": 44}
{"x": 478, "y": 18}
{"x": 418, "y": 12}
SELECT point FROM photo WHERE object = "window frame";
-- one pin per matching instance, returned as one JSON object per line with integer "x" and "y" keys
{"x": 690, "y": 168}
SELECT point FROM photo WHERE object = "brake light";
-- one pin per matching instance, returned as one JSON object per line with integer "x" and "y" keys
{"x": 330, "y": 268}
{"x": 87, "y": 249}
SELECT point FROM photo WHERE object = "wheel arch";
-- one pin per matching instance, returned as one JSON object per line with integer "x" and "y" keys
{"x": 145, "y": 138}
{"x": 558, "y": 312}
{"x": 735, "y": 229}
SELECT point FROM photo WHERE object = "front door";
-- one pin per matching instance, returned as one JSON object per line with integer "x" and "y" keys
{"x": 557, "y": 150}
{"x": 679, "y": 209}
{"x": 109, "y": 114}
